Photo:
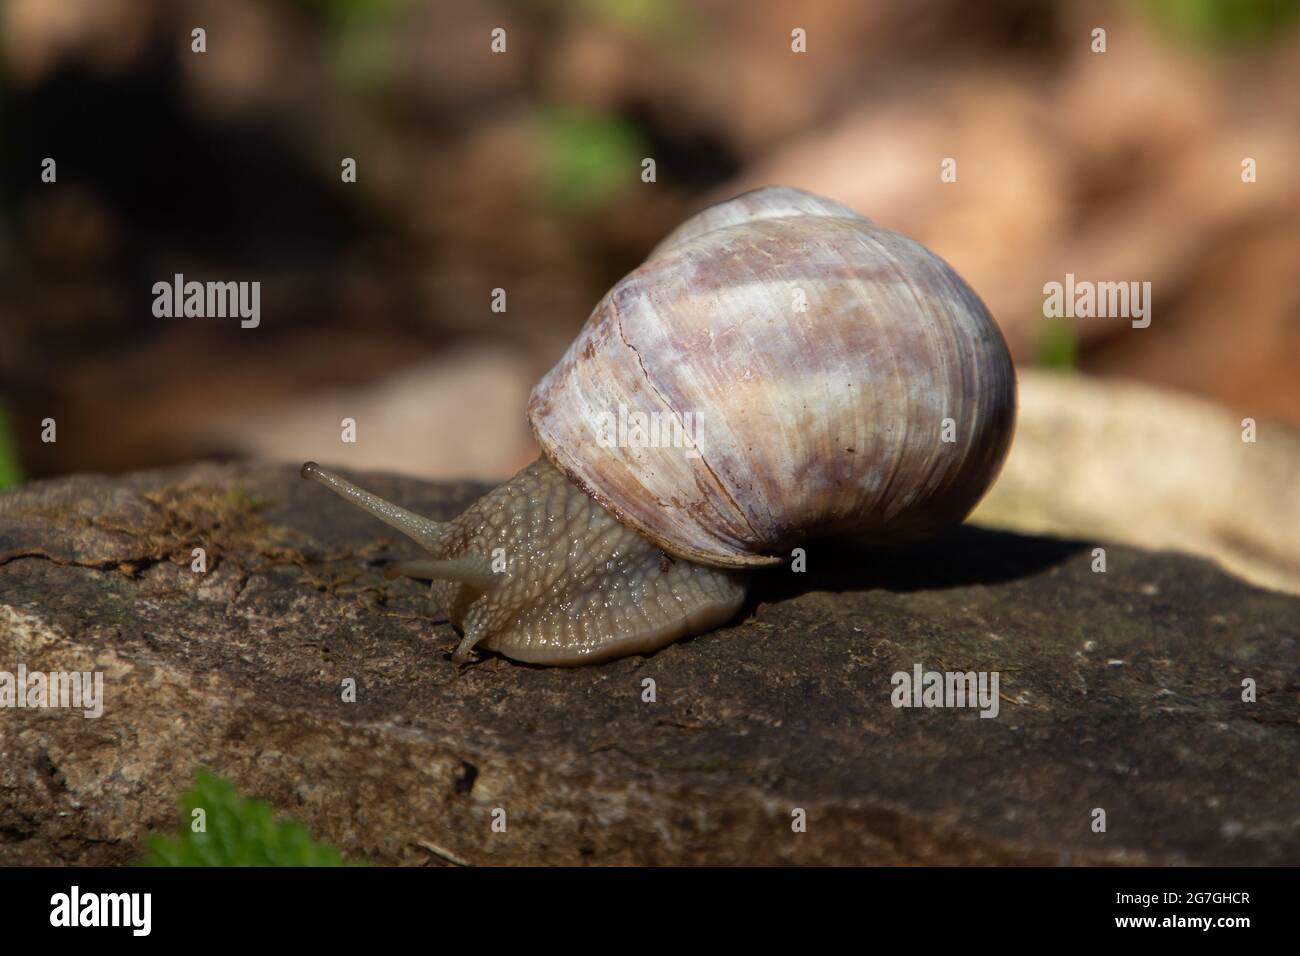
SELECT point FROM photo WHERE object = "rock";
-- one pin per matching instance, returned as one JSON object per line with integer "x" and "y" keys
{"x": 1153, "y": 468}
{"x": 1120, "y": 691}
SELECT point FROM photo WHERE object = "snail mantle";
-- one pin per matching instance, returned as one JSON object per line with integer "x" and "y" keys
{"x": 1119, "y": 691}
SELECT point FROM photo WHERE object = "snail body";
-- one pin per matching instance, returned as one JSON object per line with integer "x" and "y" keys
{"x": 839, "y": 379}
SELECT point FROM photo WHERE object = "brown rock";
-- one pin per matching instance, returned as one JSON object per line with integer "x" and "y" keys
{"x": 1119, "y": 690}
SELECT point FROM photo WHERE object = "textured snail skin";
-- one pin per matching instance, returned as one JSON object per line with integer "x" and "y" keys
{"x": 881, "y": 412}
{"x": 577, "y": 587}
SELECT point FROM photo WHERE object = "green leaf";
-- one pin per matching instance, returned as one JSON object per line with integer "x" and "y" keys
{"x": 239, "y": 831}
{"x": 10, "y": 474}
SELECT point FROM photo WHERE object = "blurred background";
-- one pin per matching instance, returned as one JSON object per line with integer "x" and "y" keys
{"x": 522, "y": 171}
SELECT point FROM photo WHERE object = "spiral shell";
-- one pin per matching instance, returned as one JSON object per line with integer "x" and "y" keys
{"x": 831, "y": 379}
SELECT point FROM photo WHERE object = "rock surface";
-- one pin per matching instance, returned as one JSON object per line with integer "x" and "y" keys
{"x": 1152, "y": 468}
{"x": 1120, "y": 691}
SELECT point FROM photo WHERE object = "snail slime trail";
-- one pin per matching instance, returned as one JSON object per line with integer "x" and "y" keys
{"x": 877, "y": 405}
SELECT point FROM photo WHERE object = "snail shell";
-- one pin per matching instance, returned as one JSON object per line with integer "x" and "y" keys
{"x": 841, "y": 381}
{"x": 832, "y": 379}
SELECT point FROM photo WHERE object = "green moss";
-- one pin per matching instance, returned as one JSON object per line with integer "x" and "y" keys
{"x": 239, "y": 498}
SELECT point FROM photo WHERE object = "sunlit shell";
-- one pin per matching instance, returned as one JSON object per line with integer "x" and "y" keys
{"x": 814, "y": 374}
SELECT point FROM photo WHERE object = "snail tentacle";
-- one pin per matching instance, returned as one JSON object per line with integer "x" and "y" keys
{"x": 426, "y": 532}
{"x": 477, "y": 573}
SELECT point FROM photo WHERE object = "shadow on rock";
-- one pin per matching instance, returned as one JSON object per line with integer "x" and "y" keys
{"x": 962, "y": 556}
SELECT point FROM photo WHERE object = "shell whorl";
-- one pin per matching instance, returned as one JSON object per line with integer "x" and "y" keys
{"x": 816, "y": 362}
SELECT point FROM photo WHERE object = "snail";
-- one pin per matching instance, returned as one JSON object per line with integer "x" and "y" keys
{"x": 842, "y": 381}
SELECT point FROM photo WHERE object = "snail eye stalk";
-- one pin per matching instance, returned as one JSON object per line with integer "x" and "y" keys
{"x": 425, "y": 532}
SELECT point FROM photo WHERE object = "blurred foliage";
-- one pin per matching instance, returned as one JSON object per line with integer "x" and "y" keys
{"x": 342, "y": 14}
{"x": 1057, "y": 346}
{"x": 10, "y": 473}
{"x": 585, "y": 159}
{"x": 239, "y": 832}
{"x": 666, "y": 20}
{"x": 1225, "y": 23}
{"x": 364, "y": 58}
{"x": 363, "y": 39}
